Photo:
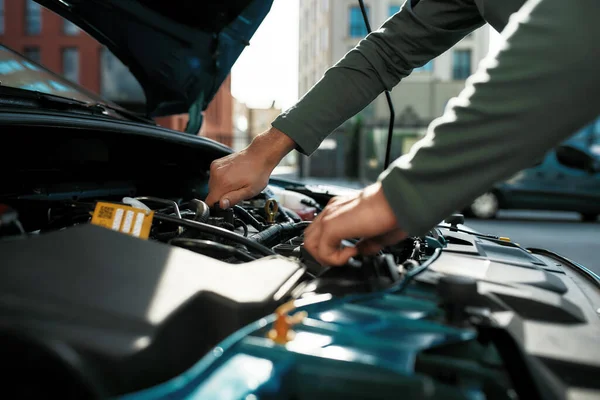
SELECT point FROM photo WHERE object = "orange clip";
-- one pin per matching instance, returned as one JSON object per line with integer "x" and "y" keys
{"x": 281, "y": 332}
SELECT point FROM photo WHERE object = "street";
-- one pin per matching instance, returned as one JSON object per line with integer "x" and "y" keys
{"x": 561, "y": 233}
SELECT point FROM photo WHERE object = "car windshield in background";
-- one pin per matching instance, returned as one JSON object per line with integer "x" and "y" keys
{"x": 19, "y": 72}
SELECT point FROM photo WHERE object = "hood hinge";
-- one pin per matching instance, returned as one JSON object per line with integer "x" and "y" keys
{"x": 195, "y": 116}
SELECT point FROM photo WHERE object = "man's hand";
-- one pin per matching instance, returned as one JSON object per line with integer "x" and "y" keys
{"x": 366, "y": 215}
{"x": 243, "y": 175}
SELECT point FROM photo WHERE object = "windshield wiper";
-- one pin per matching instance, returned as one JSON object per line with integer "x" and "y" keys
{"x": 482, "y": 235}
{"x": 11, "y": 96}
{"x": 126, "y": 113}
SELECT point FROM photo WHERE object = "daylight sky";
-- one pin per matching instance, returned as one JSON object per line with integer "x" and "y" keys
{"x": 267, "y": 70}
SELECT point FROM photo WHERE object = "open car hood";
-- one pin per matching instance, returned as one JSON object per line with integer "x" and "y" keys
{"x": 180, "y": 51}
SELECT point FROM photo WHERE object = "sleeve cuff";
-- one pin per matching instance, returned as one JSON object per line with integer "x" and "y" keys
{"x": 305, "y": 143}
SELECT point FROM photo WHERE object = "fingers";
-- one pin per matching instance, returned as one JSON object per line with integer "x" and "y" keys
{"x": 369, "y": 247}
{"x": 233, "y": 179}
{"x": 328, "y": 252}
{"x": 374, "y": 245}
{"x": 212, "y": 198}
{"x": 216, "y": 182}
{"x": 323, "y": 242}
{"x": 312, "y": 236}
{"x": 232, "y": 198}
{"x": 338, "y": 256}
{"x": 349, "y": 217}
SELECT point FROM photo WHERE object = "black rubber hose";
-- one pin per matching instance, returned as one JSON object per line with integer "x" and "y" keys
{"x": 213, "y": 230}
{"x": 290, "y": 215}
{"x": 248, "y": 218}
{"x": 200, "y": 245}
{"x": 276, "y": 231}
{"x": 239, "y": 223}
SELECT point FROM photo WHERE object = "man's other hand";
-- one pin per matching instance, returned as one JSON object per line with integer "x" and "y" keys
{"x": 243, "y": 175}
{"x": 366, "y": 215}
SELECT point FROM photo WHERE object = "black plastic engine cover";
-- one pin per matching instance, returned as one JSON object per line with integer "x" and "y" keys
{"x": 135, "y": 312}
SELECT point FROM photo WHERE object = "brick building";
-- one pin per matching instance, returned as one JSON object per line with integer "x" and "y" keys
{"x": 62, "y": 47}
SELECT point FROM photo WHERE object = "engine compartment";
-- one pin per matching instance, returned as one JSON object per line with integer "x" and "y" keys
{"x": 106, "y": 283}
{"x": 112, "y": 314}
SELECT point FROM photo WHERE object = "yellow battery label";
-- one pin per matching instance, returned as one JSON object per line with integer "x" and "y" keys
{"x": 125, "y": 219}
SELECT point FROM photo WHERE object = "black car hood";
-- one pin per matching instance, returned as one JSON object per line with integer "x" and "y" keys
{"x": 180, "y": 51}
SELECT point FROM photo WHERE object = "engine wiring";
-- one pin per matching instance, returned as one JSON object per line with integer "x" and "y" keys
{"x": 214, "y": 230}
{"x": 202, "y": 246}
{"x": 241, "y": 234}
{"x": 238, "y": 223}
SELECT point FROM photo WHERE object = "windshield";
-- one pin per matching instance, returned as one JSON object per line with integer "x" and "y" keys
{"x": 20, "y": 72}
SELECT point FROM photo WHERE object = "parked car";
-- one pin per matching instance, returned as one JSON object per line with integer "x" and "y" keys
{"x": 118, "y": 281}
{"x": 549, "y": 185}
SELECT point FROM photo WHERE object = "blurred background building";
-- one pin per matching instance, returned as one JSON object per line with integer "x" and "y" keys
{"x": 331, "y": 28}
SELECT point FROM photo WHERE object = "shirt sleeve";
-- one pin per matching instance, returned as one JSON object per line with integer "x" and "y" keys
{"x": 538, "y": 89}
{"x": 419, "y": 32}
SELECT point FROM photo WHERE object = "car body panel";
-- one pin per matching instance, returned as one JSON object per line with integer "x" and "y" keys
{"x": 179, "y": 60}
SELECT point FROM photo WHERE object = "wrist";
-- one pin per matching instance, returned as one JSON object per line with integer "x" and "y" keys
{"x": 379, "y": 205}
{"x": 272, "y": 145}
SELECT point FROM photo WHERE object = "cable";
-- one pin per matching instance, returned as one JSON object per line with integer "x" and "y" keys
{"x": 248, "y": 218}
{"x": 213, "y": 230}
{"x": 388, "y": 96}
{"x": 311, "y": 203}
{"x": 278, "y": 230}
{"x": 162, "y": 201}
{"x": 416, "y": 271}
{"x": 289, "y": 215}
{"x": 483, "y": 235}
{"x": 198, "y": 244}
{"x": 239, "y": 223}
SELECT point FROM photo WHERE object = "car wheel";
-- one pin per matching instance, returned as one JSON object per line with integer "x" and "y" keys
{"x": 485, "y": 206}
{"x": 589, "y": 217}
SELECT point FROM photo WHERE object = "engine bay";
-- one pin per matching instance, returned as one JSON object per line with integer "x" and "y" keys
{"x": 159, "y": 305}
{"x": 447, "y": 315}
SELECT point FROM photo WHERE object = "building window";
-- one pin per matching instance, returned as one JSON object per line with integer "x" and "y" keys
{"x": 34, "y": 54}
{"x": 357, "y": 23}
{"x": 324, "y": 5}
{"x": 117, "y": 83}
{"x": 461, "y": 65}
{"x": 393, "y": 10}
{"x": 70, "y": 63}
{"x": 1, "y": 17}
{"x": 33, "y": 18}
{"x": 425, "y": 68}
{"x": 70, "y": 28}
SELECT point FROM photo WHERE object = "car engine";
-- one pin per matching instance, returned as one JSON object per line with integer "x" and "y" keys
{"x": 215, "y": 303}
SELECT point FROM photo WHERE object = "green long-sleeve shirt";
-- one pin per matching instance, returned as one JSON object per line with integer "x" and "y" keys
{"x": 541, "y": 87}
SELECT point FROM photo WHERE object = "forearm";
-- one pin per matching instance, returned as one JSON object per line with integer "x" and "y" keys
{"x": 540, "y": 89}
{"x": 345, "y": 90}
{"x": 411, "y": 38}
